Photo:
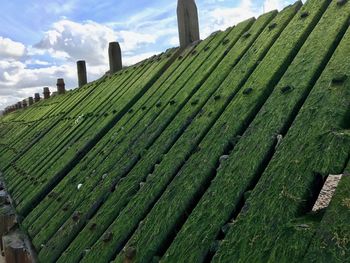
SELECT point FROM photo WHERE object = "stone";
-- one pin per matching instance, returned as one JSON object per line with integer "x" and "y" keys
{"x": 247, "y": 91}
{"x": 130, "y": 253}
{"x": 286, "y": 89}
{"x": 339, "y": 79}
{"x": 341, "y": 2}
{"x": 304, "y": 14}
{"x": 107, "y": 237}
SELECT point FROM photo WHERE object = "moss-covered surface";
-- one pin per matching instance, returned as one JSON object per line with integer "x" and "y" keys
{"x": 193, "y": 178}
{"x": 238, "y": 174}
{"x": 214, "y": 153}
{"x": 331, "y": 242}
{"x": 123, "y": 164}
{"x": 49, "y": 159}
{"x": 292, "y": 180}
{"x": 129, "y": 186}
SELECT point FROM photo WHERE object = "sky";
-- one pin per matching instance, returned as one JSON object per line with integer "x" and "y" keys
{"x": 41, "y": 41}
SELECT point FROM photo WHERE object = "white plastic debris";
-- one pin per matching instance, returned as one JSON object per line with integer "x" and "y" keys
{"x": 279, "y": 140}
{"x": 223, "y": 158}
{"x": 79, "y": 186}
{"x": 327, "y": 192}
{"x": 305, "y": 226}
{"x": 79, "y": 119}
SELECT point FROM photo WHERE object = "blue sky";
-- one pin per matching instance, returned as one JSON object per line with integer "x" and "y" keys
{"x": 40, "y": 41}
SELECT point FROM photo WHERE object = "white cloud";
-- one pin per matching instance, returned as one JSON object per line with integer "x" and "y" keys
{"x": 24, "y": 70}
{"x": 37, "y": 62}
{"x": 220, "y": 18}
{"x": 272, "y": 4}
{"x": 151, "y": 26}
{"x": 11, "y": 49}
{"x": 74, "y": 41}
{"x": 17, "y": 81}
{"x": 131, "y": 60}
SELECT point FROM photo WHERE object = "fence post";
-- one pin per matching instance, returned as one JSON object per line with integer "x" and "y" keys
{"x": 187, "y": 18}
{"x": 115, "y": 57}
{"x": 82, "y": 75}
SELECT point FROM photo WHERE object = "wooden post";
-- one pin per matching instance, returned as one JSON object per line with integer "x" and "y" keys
{"x": 82, "y": 76}
{"x": 46, "y": 93}
{"x": 115, "y": 57}
{"x": 4, "y": 198}
{"x": 61, "y": 86}
{"x": 15, "y": 250}
{"x": 30, "y": 101}
{"x": 187, "y": 18}
{"x": 7, "y": 221}
{"x": 36, "y": 97}
{"x": 24, "y": 104}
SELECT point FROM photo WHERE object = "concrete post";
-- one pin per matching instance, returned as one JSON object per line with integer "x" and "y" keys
{"x": 82, "y": 76}
{"x": 187, "y": 18}
{"x": 30, "y": 101}
{"x": 46, "y": 93}
{"x": 115, "y": 57}
{"x": 61, "y": 86}
{"x": 36, "y": 97}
